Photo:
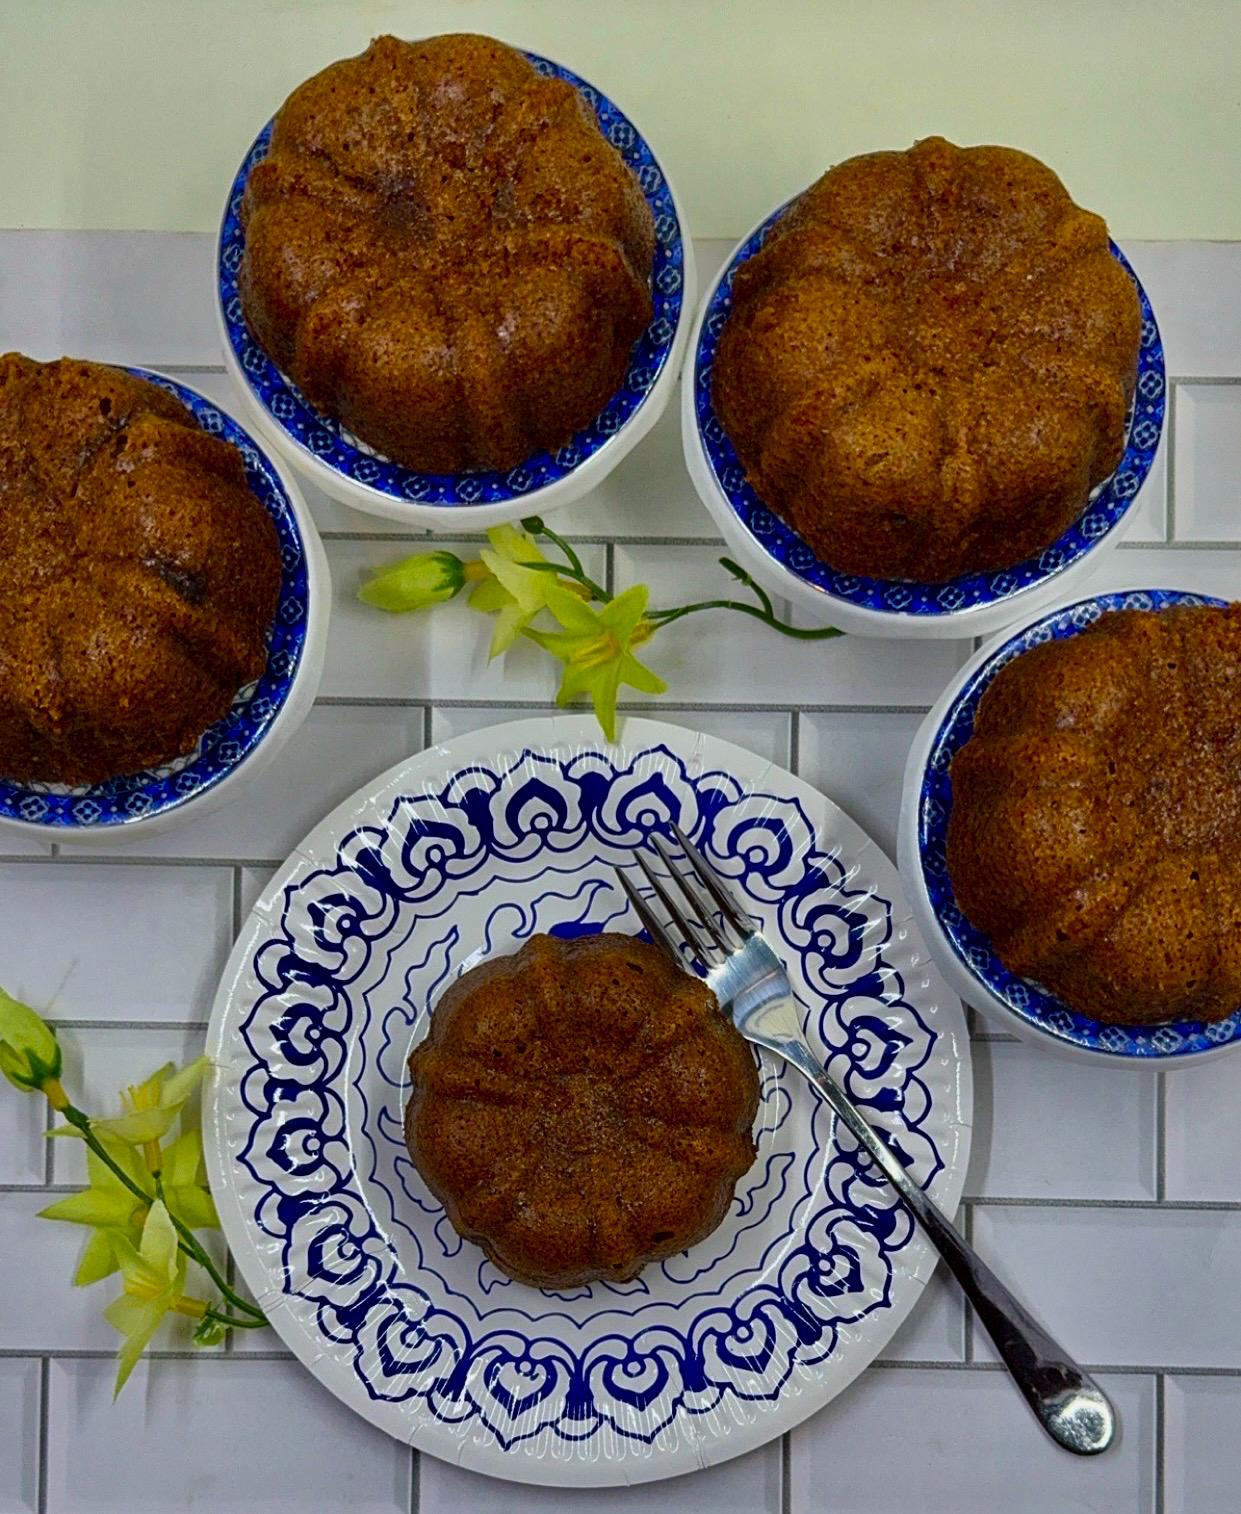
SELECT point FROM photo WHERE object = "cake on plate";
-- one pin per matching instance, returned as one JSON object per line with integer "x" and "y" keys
{"x": 444, "y": 253}
{"x": 139, "y": 574}
{"x": 581, "y": 1108}
{"x": 928, "y": 366}
{"x": 1095, "y": 832}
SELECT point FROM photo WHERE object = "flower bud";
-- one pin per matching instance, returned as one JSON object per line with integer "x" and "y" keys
{"x": 29, "y": 1050}
{"x": 416, "y": 583}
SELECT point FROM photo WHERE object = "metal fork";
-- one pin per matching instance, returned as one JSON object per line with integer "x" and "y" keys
{"x": 752, "y": 986}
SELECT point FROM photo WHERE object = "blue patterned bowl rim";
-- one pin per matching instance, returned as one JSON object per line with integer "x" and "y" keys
{"x": 770, "y": 535}
{"x": 334, "y": 447}
{"x": 1031, "y": 1003}
{"x": 224, "y": 746}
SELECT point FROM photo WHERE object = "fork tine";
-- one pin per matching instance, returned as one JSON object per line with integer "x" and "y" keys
{"x": 722, "y": 896}
{"x": 704, "y": 949}
{"x": 649, "y": 918}
{"x": 696, "y": 904}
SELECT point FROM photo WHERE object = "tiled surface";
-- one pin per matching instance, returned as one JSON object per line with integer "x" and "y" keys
{"x": 224, "y": 1435}
{"x": 1208, "y": 462}
{"x": 907, "y": 1441}
{"x": 19, "y": 1415}
{"x": 1117, "y": 1212}
{"x": 1202, "y": 1434}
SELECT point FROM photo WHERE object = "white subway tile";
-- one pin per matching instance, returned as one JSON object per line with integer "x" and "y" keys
{"x": 963, "y": 1442}
{"x": 1173, "y": 567}
{"x": 115, "y": 942}
{"x": 1202, "y": 1432}
{"x": 1045, "y": 1127}
{"x": 22, "y": 1144}
{"x": 747, "y": 1485}
{"x": 857, "y": 758}
{"x": 1202, "y": 1132}
{"x": 1195, "y": 292}
{"x": 229, "y": 1436}
{"x": 1208, "y": 463}
{"x": 116, "y": 297}
{"x": 335, "y": 752}
{"x": 760, "y": 663}
{"x": 19, "y": 1436}
{"x": 13, "y": 844}
{"x": 1129, "y": 1287}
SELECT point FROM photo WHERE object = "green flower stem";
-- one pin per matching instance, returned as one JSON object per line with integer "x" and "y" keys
{"x": 742, "y": 577}
{"x": 534, "y": 525}
{"x": 189, "y": 1245}
{"x": 565, "y": 570}
{"x": 232, "y": 1321}
{"x": 800, "y": 633}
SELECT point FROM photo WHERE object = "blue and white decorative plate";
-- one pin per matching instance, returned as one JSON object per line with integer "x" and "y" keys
{"x": 263, "y": 715}
{"x": 965, "y": 955}
{"x": 354, "y": 474}
{"x": 466, "y": 851}
{"x": 963, "y": 606}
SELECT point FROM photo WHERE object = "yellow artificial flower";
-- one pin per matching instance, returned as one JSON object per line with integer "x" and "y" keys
{"x": 595, "y": 647}
{"x": 154, "y": 1276}
{"x": 109, "y": 1206}
{"x": 514, "y": 592}
{"x": 420, "y": 581}
{"x": 149, "y": 1109}
{"x": 29, "y": 1051}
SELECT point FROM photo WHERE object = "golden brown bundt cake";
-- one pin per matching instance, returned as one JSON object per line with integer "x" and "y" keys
{"x": 928, "y": 366}
{"x": 1095, "y": 834}
{"x": 138, "y": 573}
{"x": 445, "y": 255}
{"x": 581, "y": 1108}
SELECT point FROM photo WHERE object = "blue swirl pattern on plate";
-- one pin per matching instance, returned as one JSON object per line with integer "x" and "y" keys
{"x": 340, "y": 450}
{"x": 779, "y": 541}
{"x": 1024, "y": 998}
{"x": 346, "y": 965}
{"x": 139, "y": 796}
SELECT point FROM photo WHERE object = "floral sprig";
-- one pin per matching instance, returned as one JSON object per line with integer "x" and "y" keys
{"x": 146, "y": 1195}
{"x": 514, "y": 580}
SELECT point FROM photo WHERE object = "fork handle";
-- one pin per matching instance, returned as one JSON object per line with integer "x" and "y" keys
{"x": 1066, "y": 1401}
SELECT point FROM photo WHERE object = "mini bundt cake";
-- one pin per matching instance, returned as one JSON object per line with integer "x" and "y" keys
{"x": 445, "y": 255}
{"x": 139, "y": 574}
{"x": 581, "y": 1108}
{"x": 1095, "y": 833}
{"x": 928, "y": 366}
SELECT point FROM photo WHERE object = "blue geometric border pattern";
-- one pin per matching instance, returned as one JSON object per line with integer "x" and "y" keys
{"x": 1027, "y": 999}
{"x": 333, "y": 446}
{"x": 137, "y": 796}
{"x": 1104, "y": 510}
{"x": 329, "y": 970}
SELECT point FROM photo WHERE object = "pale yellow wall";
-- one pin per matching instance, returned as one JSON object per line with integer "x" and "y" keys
{"x": 134, "y": 113}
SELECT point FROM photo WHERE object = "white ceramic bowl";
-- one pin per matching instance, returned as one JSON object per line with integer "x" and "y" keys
{"x": 962, "y": 954}
{"x": 263, "y": 717}
{"x": 351, "y": 473}
{"x": 966, "y": 606}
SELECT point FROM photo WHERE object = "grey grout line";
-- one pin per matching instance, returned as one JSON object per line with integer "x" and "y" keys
{"x": 1160, "y": 1441}
{"x": 1188, "y": 1206}
{"x": 967, "y": 1229}
{"x": 626, "y": 706}
{"x": 795, "y": 742}
{"x": 1179, "y": 379}
{"x": 192, "y": 368}
{"x": 786, "y": 1473}
{"x": 62, "y": 1023}
{"x": 415, "y": 1481}
{"x": 98, "y": 1354}
{"x": 45, "y": 1372}
{"x": 49, "y": 1152}
{"x": 1161, "y": 1138}
{"x": 609, "y": 567}
{"x": 236, "y": 902}
{"x": 1182, "y": 544}
{"x": 1169, "y": 470}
